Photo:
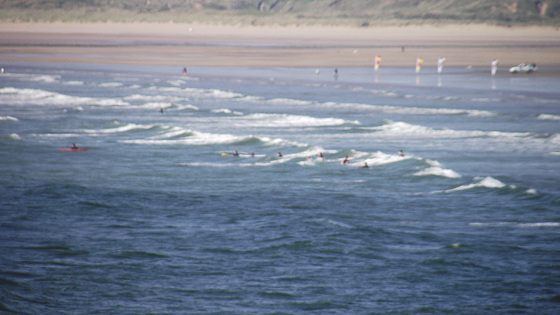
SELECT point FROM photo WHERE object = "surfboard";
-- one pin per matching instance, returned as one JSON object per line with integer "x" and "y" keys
{"x": 226, "y": 154}
{"x": 79, "y": 149}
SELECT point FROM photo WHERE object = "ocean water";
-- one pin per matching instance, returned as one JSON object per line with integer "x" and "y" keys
{"x": 158, "y": 216}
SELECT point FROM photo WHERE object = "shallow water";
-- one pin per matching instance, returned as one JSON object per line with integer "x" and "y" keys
{"x": 158, "y": 216}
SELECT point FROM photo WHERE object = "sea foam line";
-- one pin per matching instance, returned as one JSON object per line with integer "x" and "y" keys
{"x": 516, "y": 224}
{"x": 8, "y": 118}
{"x": 15, "y": 96}
{"x": 400, "y": 129}
{"x": 436, "y": 169}
{"x": 124, "y": 128}
{"x": 286, "y": 120}
{"x": 548, "y": 117}
{"x": 486, "y": 182}
{"x": 410, "y": 110}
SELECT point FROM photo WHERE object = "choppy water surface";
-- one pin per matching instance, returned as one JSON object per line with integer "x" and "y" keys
{"x": 159, "y": 216}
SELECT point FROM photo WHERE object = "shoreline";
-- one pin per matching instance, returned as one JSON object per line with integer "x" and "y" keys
{"x": 277, "y": 46}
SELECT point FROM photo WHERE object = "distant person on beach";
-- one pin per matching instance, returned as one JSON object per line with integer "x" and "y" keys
{"x": 335, "y": 73}
{"x": 440, "y": 63}
{"x": 494, "y": 67}
{"x": 364, "y": 166}
{"x": 184, "y": 71}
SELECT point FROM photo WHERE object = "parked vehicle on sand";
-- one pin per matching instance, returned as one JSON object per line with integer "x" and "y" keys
{"x": 524, "y": 68}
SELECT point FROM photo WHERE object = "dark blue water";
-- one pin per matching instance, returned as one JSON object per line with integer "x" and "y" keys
{"x": 158, "y": 216}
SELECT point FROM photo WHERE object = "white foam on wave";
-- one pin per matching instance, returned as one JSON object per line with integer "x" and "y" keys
{"x": 486, "y": 100}
{"x": 288, "y": 101}
{"x": 29, "y": 93}
{"x": 334, "y": 223}
{"x": 285, "y": 120}
{"x": 410, "y": 110}
{"x": 14, "y": 136}
{"x": 540, "y": 224}
{"x": 278, "y": 142}
{"x": 249, "y": 98}
{"x": 515, "y": 224}
{"x": 438, "y": 171}
{"x": 15, "y": 96}
{"x": 200, "y": 93}
{"x": 55, "y": 135}
{"x": 73, "y": 83}
{"x": 186, "y": 107}
{"x": 171, "y": 132}
{"x": 155, "y": 105}
{"x": 124, "y": 128}
{"x": 175, "y": 135}
{"x": 531, "y": 191}
{"x": 212, "y": 93}
{"x": 8, "y": 118}
{"x": 153, "y": 98}
{"x": 486, "y": 182}
{"x": 108, "y": 102}
{"x": 312, "y": 157}
{"x": 194, "y": 138}
{"x": 548, "y": 117}
{"x": 110, "y": 84}
{"x": 44, "y": 78}
{"x": 255, "y": 164}
{"x": 226, "y": 111}
{"x": 402, "y": 129}
{"x": 375, "y": 158}
{"x": 176, "y": 82}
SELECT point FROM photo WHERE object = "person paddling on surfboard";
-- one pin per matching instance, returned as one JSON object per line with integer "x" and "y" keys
{"x": 74, "y": 147}
{"x": 364, "y": 166}
{"x": 235, "y": 153}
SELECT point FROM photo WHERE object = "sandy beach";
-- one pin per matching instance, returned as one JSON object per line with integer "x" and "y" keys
{"x": 277, "y": 46}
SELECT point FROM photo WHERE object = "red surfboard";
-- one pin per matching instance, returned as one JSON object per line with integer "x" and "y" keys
{"x": 79, "y": 149}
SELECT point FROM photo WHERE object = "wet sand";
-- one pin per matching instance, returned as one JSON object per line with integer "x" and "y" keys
{"x": 277, "y": 46}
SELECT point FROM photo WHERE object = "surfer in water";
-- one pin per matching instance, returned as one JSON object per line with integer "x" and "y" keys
{"x": 345, "y": 162}
{"x": 74, "y": 147}
{"x": 364, "y": 166}
{"x": 235, "y": 153}
{"x": 320, "y": 154}
{"x": 401, "y": 153}
{"x": 279, "y": 154}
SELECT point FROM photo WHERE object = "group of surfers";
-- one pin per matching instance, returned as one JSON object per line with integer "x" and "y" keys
{"x": 320, "y": 154}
